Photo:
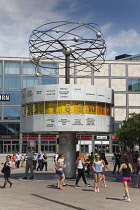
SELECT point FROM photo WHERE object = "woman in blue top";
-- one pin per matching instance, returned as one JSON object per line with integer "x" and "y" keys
{"x": 97, "y": 168}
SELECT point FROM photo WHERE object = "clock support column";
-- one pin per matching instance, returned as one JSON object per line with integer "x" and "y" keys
{"x": 67, "y": 146}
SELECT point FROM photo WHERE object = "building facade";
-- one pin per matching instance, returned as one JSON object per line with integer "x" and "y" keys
{"x": 17, "y": 73}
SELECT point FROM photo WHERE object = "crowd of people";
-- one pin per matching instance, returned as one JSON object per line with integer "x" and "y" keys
{"x": 126, "y": 162}
{"x": 39, "y": 160}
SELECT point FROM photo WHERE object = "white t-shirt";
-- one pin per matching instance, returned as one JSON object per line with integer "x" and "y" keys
{"x": 18, "y": 156}
{"x": 59, "y": 162}
{"x": 80, "y": 164}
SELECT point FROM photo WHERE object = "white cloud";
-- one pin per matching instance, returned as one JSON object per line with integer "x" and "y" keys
{"x": 105, "y": 28}
{"x": 19, "y": 18}
{"x": 126, "y": 41}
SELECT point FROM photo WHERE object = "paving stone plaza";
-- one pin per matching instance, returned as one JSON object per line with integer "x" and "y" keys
{"x": 42, "y": 194}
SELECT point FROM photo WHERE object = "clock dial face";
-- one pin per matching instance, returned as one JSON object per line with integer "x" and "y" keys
{"x": 64, "y": 140}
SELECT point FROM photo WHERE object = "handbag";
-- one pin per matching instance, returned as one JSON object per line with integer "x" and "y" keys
{"x": 2, "y": 170}
{"x": 44, "y": 160}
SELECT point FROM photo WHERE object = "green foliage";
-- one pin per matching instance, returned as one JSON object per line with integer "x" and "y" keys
{"x": 129, "y": 133}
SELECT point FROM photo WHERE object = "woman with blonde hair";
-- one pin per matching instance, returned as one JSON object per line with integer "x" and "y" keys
{"x": 80, "y": 166}
{"x": 97, "y": 168}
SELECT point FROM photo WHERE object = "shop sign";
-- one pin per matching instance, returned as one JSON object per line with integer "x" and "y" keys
{"x": 4, "y": 97}
{"x": 101, "y": 137}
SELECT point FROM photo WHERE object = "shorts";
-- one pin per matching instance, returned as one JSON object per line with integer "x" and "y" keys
{"x": 97, "y": 173}
{"x": 60, "y": 172}
{"x": 126, "y": 179}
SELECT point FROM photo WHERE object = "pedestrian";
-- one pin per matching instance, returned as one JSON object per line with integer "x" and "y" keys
{"x": 80, "y": 162}
{"x": 138, "y": 180}
{"x": 117, "y": 162}
{"x": 29, "y": 163}
{"x": 18, "y": 158}
{"x": 22, "y": 160}
{"x": 97, "y": 168}
{"x": 59, "y": 169}
{"x": 126, "y": 169}
{"x": 40, "y": 161}
{"x": 34, "y": 160}
{"x": 45, "y": 163}
{"x": 55, "y": 157}
{"x": 104, "y": 165}
{"x": 7, "y": 170}
{"x": 14, "y": 160}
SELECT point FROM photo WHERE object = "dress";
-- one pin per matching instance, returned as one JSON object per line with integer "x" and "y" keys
{"x": 7, "y": 171}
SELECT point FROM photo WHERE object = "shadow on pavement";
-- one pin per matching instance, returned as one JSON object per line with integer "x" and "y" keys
{"x": 115, "y": 199}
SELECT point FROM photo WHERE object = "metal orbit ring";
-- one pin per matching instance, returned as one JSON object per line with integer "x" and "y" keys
{"x": 82, "y": 43}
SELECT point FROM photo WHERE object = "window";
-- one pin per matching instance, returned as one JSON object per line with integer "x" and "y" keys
{"x": 50, "y": 68}
{"x": 10, "y": 129}
{"x": 134, "y": 85}
{"x": 14, "y": 98}
{"x": 12, "y": 67}
{"x": 0, "y": 112}
{"x": 30, "y": 81}
{"x": 11, "y": 113}
{"x": 49, "y": 80}
{"x": 28, "y": 68}
{"x": 0, "y": 101}
{"x": 0, "y": 82}
{"x": 12, "y": 82}
{"x": 117, "y": 125}
{"x": 0, "y": 67}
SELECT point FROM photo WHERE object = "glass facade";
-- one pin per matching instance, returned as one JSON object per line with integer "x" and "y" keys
{"x": 11, "y": 113}
{"x": 10, "y": 128}
{"x": 12, "y": 67}
{"x": 28, "y": 68}
{"x": 0, "y": 67}
{"x": 134, "y": 85}
{"x": 12, "y": 82}
{"x": 30, "y": 81}
{"x": 0, "y": 82}
{"x": 49, "y": 68}
{"x": 14, "y": 98}
{"x": 49, "y": 80}
{"x": 0, "y": 113}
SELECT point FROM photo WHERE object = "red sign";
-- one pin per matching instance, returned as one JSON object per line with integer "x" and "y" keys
{"x": 114, "y": 137}
{"x": 30, "y": 137}
{"x": 84, "y": 137}
{"x": 48, "y": 137}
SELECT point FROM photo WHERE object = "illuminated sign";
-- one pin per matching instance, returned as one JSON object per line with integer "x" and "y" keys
{"x": 66, "y": 107}
{"x": 30, "y": 137}
{"x": 48, "y": 137}
{"x": 84, "y": 137}
{"x": 4, "y": 97}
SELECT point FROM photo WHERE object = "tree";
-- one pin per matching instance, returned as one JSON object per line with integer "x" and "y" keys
{"x": 129, "y": 133}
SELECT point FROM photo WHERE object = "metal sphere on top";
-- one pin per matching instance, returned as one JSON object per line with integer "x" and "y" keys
{"x": 78, "y": 44}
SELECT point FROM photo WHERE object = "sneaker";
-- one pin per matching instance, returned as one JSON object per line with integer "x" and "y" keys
{"x": 97, "y": 190}
{"x": 128, "y": 200}
{"x": 125, "y": 198}
{"x": 61, "y": 188}
{"x": 31, "y": 177}
{"x": 25, "y": 177}
{"x": 76, "y": 186}
{"x": 87, "y": 185}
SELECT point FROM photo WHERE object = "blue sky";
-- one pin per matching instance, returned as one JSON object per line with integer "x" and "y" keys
{"x": 118, "y": 19}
